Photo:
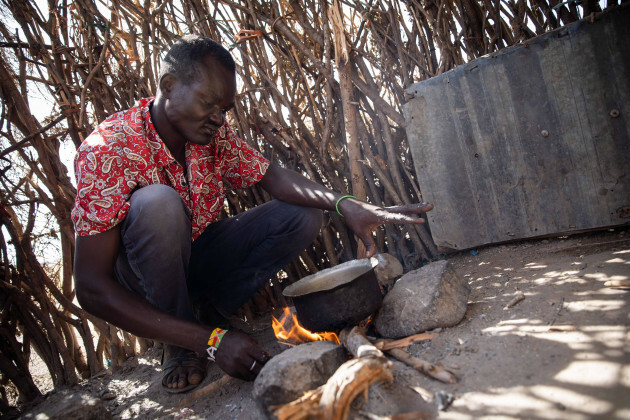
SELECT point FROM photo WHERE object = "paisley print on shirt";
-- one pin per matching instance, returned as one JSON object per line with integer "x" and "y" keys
{"x": 125, "y": 152}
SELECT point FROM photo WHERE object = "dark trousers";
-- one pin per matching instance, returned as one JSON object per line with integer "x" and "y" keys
{"x": 224, "y": 267}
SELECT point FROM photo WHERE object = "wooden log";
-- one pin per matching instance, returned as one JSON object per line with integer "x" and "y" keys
{"x": 356, "y": 342}
{"x": 351, "y": 379}
{"x": 333, "y": 399}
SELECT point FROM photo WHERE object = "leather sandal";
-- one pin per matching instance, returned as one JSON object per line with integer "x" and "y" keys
{"x": 183, "y": 359}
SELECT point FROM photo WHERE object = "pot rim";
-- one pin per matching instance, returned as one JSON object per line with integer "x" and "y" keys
{"x": 293, "y": 290}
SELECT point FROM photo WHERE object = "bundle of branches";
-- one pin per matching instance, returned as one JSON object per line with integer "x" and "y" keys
{"x": 322, "y": 88}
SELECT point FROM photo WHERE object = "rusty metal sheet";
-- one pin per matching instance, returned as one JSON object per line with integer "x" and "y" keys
{"x": 530, "y": 141}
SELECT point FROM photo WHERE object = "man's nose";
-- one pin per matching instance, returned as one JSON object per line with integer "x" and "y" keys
{"x": 217, "y": 117}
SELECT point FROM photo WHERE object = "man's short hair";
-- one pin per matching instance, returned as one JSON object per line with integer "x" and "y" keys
{"x": 183, "y": 58}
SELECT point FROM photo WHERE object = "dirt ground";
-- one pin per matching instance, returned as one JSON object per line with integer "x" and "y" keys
{"x": 562, "y": 352}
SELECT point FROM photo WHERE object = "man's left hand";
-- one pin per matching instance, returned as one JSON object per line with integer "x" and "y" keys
{"x": 363, "y": 218}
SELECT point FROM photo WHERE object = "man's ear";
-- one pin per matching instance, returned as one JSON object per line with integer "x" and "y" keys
{"x": 167, "y": 84}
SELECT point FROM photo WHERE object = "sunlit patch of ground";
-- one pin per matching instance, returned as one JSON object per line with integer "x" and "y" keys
{"x": 562, "y": 352}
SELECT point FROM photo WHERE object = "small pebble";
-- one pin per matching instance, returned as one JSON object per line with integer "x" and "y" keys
{"x": 444, "y": 399}
{"x": 108, "y": 395}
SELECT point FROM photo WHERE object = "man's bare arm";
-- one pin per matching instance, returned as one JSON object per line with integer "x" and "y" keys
{"x": 100, "y": 294}
{"x": 361, "y": 217}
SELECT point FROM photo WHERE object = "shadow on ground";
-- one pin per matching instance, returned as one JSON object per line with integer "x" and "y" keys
{"x": 562, "y": 352}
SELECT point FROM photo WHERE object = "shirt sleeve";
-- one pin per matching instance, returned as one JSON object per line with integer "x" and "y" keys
{"x": 241, "y": 165}
{"x": 102, "y": 191}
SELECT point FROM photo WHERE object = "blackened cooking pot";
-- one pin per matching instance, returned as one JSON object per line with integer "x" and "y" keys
{"x": 336, "y": 297}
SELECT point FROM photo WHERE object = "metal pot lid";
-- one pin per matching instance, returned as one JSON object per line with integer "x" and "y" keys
{"x": 330, "y": 278}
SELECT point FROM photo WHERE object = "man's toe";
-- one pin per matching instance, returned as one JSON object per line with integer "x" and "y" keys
{"x": 194, "y": 378}
{"x": 173, "y": 380}
{"x": 183, "y": 372}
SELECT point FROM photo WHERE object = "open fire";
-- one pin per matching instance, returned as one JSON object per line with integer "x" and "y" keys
{"x": 289, "y": 331}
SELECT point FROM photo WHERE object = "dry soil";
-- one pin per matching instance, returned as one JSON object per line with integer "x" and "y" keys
{"x": 560, "y": 353}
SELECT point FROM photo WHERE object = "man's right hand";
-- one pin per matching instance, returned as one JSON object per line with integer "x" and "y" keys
{"x": 241, "y": 356}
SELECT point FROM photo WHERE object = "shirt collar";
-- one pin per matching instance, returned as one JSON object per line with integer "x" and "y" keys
{"x": 163, "y": 156}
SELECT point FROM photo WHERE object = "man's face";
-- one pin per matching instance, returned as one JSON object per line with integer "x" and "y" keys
{"x": 197, "y": 110}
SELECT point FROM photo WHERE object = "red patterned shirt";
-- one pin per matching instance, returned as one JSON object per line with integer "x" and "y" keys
{"x": 125, "y": 152}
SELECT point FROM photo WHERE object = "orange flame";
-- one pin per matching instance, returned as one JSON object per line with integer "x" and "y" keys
{"x": 289, "y": 331}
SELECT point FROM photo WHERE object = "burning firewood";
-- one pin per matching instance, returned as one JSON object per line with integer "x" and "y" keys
{"x": 332, "y": 400}
{"x": 288, "y": 330}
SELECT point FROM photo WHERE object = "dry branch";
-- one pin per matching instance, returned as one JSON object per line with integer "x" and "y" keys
{"x": 204, "y": 391}
{"x": 519, "y": 296}
{"x": 403, "y": 342}
{"x": 438, "y": 371}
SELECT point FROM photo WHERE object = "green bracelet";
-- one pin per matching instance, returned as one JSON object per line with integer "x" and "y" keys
{"x": 341, "y": 198}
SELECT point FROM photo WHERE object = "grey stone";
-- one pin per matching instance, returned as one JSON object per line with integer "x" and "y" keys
{"x": 297, "y": 370}
{"x": 388, "y": 399}
{"x": 431, "y": 297}
{"x": 387, "y": 270}
{"x": 68, "y": 405}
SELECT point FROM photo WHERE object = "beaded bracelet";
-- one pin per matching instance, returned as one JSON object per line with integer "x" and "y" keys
{"x": 339, "y": 200}
{"x": 213, "y": 342}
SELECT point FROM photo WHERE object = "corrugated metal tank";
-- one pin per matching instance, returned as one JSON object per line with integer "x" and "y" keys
{"x": 533, "y": 140}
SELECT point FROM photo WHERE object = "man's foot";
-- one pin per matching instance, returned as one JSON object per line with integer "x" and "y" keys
{"x": 182, "y": 370}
